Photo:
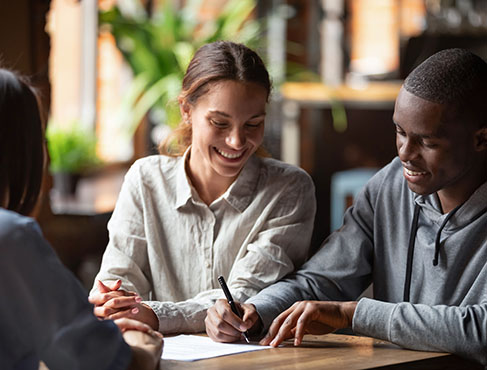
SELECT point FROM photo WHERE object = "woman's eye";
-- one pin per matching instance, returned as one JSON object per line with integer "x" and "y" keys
{"x": 218, "y": 124}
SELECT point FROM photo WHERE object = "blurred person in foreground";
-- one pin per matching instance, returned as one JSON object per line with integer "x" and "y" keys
{"x": 45, "y": 314}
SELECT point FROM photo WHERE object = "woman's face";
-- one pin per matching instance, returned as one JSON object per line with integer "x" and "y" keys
{"x": 228, "y": 127}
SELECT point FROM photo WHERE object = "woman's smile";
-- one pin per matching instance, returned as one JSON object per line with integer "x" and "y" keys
{"x": 232, "y": 156}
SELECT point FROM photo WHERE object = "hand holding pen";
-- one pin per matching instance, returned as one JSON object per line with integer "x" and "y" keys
{"x": 232, "y": 304}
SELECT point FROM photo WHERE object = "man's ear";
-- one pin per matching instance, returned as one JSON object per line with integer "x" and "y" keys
{"x": 480, "y": 138}
{"x": 185, "y": 110}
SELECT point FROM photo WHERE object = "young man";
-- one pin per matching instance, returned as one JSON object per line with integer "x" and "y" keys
{"x": 418, "y": 231}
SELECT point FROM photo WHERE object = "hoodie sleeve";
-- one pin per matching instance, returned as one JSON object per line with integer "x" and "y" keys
{"x": 440, "y": 328}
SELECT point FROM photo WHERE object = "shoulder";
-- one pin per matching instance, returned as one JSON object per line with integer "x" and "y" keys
{"x": 390, "y": 175}
{"x": 276, "y": 170}
{"x": 11, "y": 223}
{"x": 153, "y": 168}
{"x": 148, "y": 164}
{"x": 388, "y": 182}
{"x": 17, "y": 232}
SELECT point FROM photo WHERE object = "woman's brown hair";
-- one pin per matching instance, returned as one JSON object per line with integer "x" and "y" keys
{"x": 21, "y": 144}
{"x": 220, "y": 60}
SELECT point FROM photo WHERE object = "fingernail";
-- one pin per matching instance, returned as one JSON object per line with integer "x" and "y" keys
{"x": 138, "y": 299}
{"x": 135, "y": 310}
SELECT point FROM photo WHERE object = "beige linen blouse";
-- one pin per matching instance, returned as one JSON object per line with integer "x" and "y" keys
{"x": 170, "y": 247}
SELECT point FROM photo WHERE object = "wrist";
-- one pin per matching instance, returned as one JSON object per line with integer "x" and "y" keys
{"x": 347, "y": 310}
{"x": 151, "y": 318}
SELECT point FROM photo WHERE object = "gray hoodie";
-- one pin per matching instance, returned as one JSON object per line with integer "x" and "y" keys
{"x": 448, "y": 302}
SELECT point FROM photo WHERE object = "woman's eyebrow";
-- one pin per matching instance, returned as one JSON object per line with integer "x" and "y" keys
{"x": 229, "y": 116}
{"x": 220, "y": 113}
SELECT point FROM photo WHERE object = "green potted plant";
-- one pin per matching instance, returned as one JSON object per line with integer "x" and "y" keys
{"x": 72, "y": 152}
{"x": 159, "y": 46}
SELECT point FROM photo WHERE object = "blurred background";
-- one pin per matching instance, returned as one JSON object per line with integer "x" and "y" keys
{"x": 109, "y": 73}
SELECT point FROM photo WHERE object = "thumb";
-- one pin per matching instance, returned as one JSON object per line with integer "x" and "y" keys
{"x": 102, "y": 288}
{"x": 249, "y": 315}
{"x": 116, "y": 285}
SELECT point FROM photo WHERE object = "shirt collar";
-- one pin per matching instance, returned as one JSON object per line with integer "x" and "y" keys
{"x": 239, "y": 195}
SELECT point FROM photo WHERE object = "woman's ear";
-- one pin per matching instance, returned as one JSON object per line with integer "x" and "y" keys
{"x": 481, "y": 139}
{"x": 185, "y": 110}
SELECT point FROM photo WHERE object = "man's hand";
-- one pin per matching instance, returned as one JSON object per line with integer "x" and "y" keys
{"x": 222, "y": 325}
{"x": 114, "y": 303}
{"x": 309, "y": 317}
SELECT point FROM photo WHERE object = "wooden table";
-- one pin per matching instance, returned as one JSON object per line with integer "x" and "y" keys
{"x": 330, "y": 351}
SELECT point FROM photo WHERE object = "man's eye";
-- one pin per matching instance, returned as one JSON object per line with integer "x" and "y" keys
{"x": 254, "y": 124}
{"x": 400, "y": 132}
{"x": 430, "y": 145}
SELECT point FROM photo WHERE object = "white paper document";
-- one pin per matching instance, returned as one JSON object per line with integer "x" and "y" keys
{"x": 194, "y": 347}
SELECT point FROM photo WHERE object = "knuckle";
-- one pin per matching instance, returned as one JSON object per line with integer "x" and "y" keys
{"x": 219, "y": 325}
{"x": 225, "y": 314}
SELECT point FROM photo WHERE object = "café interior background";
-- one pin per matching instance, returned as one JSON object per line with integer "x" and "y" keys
{"x": 87, "y": 59}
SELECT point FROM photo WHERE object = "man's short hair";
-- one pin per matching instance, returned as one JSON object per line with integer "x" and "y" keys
{"x": 454, "y": 77}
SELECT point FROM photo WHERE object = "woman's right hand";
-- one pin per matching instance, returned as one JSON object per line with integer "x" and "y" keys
{"x": 110, "y": 300}
{"x": 222, "y": 325}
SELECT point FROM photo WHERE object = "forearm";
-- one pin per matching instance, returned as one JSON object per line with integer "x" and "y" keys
{"x": 458, "y": 330}
{"x": 181, "y": 317}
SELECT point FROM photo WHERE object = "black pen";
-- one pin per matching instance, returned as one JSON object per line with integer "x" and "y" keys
{"x": 232, "y": 304}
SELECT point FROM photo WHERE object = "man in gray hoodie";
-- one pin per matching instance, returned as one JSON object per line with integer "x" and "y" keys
{"x": 418, "y": 232}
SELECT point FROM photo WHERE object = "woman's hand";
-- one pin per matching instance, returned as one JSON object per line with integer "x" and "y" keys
{"x": 114, "y": 303}
{"x": 309, "y": 317}
{"x": 222, "y": 325}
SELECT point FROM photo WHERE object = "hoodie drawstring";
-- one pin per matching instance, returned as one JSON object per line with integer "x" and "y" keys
{"x": 412, "y": 239}
{"x": 438, "y": 235}
{"x": 409, "y": 264}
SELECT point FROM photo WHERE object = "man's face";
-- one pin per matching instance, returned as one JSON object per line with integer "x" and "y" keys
{"x": 436, "y": 150}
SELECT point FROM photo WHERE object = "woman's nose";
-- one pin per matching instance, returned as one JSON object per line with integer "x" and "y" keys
{"x": 236, "y": 139}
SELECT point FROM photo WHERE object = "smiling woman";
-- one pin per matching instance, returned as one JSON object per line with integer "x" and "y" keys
{"x": 209, "y": 205}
